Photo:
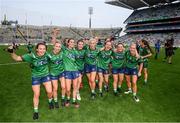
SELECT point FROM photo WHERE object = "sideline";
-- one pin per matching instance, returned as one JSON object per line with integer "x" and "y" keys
{"x": 12, "y": 63}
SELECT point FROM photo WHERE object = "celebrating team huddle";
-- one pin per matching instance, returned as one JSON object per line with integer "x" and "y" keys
{"x": 67, "y": 64}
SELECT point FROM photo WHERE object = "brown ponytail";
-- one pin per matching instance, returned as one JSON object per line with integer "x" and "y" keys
{"x": 147, "y": 44}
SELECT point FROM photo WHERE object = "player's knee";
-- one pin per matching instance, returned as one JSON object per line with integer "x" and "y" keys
{"x": 92, "y": 80}
{"x": 74, "y": 87}
{"x": 63, "y": 88}
{"x": 49, "y": 92}
{"x": 115, "y": 80}
{"x": 121, "y": 81}
{"x": 55, "y": 89}
{"x": 128, "y": 82}
{"x": 106, "y": 80}
{"x": 68, "y": 91}
{"x": 36, "y": 95}
{"x": 134, "y": 83}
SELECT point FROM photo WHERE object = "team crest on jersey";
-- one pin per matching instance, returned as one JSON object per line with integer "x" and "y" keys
{"x": 71, "y": 56}
{"x": 90, "y": 55}
{"x": 42, "y": 62}
{"x": 80, "y": 56}
{"x": 105, "y": 56}
{"x": 58, "y": 62}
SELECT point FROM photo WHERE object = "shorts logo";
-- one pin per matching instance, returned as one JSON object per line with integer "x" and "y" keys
{"x": 77, "y": 74}
{"x": 48, "y": 78}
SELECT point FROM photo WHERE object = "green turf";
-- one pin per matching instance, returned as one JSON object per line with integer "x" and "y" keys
{"x": 159, "y": 100}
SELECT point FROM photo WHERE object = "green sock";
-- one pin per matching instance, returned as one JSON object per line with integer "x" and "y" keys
{"x": 50, "y": 100}
{"x": 55, "y": 99}
{"x": 92, "y": 91}
{"x": 134, "y": 94}
{"x": 119, "y": 86}
{"x": 96, "y": 81}
{"x": 115, "y": 90}
{"x": 100, "y": 90}
{"x": 74, "y": 99}
{"x": 68, "y": 98}
{"x": 36, "y": 109}
{"x": 62, "y": 97}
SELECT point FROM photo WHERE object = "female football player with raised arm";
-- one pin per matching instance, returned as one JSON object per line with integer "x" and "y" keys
{"x": 40, "y": 73}
{"x": 71, "y": 72}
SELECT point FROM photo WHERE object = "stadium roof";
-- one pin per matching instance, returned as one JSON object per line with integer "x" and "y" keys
{"x": 136, "y": 4}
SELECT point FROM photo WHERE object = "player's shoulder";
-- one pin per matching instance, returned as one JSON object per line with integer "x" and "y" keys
{"x": 32, "y": 55}
{"x": 48, "y": 54}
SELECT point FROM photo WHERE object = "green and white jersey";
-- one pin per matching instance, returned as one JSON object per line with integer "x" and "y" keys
{"x": 91, "y": 56}
{"x": 118, "y": 59}
{"x": 69, "y": 60}
{"x": 104, "y": 58}
{"x": 80, "y": 57}
{"x": 143, "y": 52}
{"x": 39, "y": 64}
{"x": 131, "y": 61}
{"x": 56, "y": 63}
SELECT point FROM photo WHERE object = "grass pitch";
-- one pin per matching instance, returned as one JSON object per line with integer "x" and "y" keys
{"x": 159, "y": 100}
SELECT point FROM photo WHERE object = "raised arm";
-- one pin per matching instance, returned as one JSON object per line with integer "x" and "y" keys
{"x": 13, "y": 54}
{"x": 55, "y": 33}
{"x": 16, "y": 57}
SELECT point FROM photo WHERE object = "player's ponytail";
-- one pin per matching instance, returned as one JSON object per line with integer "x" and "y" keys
{"x": 147, "y": 44}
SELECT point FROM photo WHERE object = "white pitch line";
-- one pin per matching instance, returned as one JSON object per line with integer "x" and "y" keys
{"x": 12, "y": 63}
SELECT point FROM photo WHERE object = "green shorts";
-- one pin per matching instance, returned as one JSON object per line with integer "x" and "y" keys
{"x": 145, "y": 64}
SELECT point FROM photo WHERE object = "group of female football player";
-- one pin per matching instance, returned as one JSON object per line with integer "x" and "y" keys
{"x": 69, "y": 61}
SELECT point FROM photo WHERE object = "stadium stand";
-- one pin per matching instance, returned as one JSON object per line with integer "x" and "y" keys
{"x": 35, "y": 34}
{"x": 160, "y": 12}
{"x": 151, "y": 37}
{"x": 158, "y": 20}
